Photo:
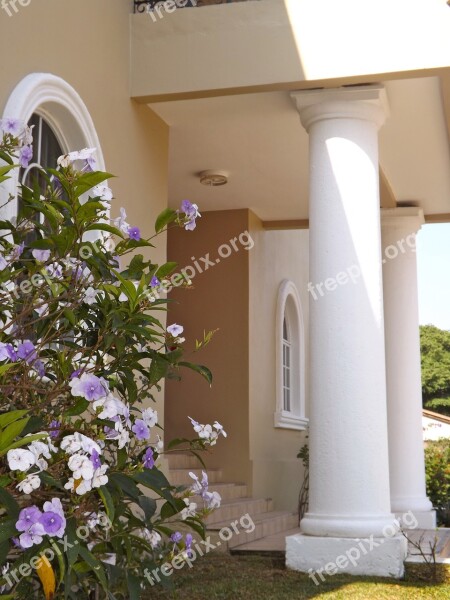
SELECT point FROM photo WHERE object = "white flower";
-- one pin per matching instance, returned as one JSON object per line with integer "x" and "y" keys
{"x": 77, "y": 441}
{"x": 90, "y": 296}
{"x": 79, "y": 487}
{"x": 99, "y": 477}
{"x": 212, "y": 499}
{"x": 3, "y": 263}
{"x": 175, "y": 330}
{"x": 159, "y": 444}
{"x": 190, "y": 509}
{"x": 150, "y": 417}
{"x": 123, "y": 438}
{"x": 42, "y": 310}
{"x": 120, "y": 222}
{"x": 42, "y": 464}
{"x": 152, "y": 537}
{"x": 20, "y": 459}
{"x": 30, "y": 483}
{"x": 103, "y": 191}
{"x": 81, "y": 465}
{"x": 111, "y": 407}
{"x": 220, "y": 428}
{"x": 38, "y": 448}
{"x": 66, "y": 159}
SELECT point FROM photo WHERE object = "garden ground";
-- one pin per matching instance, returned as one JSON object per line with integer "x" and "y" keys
{"x": 248, "y": 578}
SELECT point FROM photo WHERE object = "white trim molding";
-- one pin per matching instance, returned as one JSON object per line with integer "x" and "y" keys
{"x": 289, "y": 307}
{"x": 64, "y": 110}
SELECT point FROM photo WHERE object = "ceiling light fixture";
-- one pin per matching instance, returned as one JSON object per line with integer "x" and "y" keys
{"x": 213, "y": 178}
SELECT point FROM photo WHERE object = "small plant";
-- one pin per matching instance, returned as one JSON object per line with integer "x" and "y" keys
{"x": 85, "y": 509}
{"x": 303, "y": 497}
{"x": 437, "y": 468}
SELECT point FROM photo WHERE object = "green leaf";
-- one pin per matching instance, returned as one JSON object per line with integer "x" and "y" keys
{"x": 107, "y": 501}
{"x": 166, "y": 269}
{"x": 78, "y": 408}
{"x": 89, "y": 180}
{"x": 61, "y": 561}
{"x": 9, "y": 417}
{"x": 23, "y": 442}
{"x": 11, "y": 505}
{"x": 167, "y": 216}
{"x": 4, "y": 480}
{"x": 134, "y": 586}
{"x": 152, "y": 478}
{"x": 5, "y": 368}
{"x": 204, "y": 371}
{"x": 105, "y": 227}
{"x": 7, "y": 530}
{"x": 95, "y": 565}
{"x": 11, "y": 432}
{"x": 126, "y": 485}
{"x": 148, "y": 505}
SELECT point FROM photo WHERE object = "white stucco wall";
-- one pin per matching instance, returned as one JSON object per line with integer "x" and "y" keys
{"x": 276, "y": 256}
{"x": 434, "y": 429}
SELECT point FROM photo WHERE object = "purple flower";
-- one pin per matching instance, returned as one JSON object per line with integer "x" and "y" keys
{"x": 191, "y": 212}
{"x": 25, "y": 155}
{"x": 11, "y": 125}
{"x": 176, "y": 537}
{"x": 11, "y": 352}
{"x": 134, "y": 233}
{"x": 149, "y": 461}
{"x": 16, "y": 252}
{"x": 175, "y": 330}
{"x": 32, "y": 536}
{"x": 51, "y": 522}
{"x": 95, "y": 459}
{"x": 54, "y": 509}
{"x": 141, "y": 430}
{"x": 38, "y": 366}
{"x": 89, "y": 387}
{"x": 155, "y": 281}
{"x": 41, "y": 255}
{"x": 55, "y": 426}
{"x": 27, "y": 352}
{"x": 75, "y": 374}
{"x": 27, "y": 517}
{"x": 188, "y": 544}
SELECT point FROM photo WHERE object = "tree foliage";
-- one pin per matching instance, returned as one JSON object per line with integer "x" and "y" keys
{"x": 435, "y": 350}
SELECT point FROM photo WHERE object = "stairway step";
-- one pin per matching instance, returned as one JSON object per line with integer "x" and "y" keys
{"x": 230, "y": 491}
{"x": 181, "y": 476}
{"x": 181, "y": 460}
{"x": 267, "y": 523}
{"x": 273, "y": 545}
{"x": 234, "y": 509}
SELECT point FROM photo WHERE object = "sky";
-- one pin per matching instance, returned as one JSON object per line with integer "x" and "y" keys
{"x": 433, "y": 268}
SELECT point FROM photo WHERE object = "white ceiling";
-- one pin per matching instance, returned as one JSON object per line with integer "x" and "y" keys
{"x": 259, "y": 141}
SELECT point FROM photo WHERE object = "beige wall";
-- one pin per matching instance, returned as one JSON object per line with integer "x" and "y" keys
{"x": 86, "y": 43}
{"x": 218, "y": 300}
{"x": 277, "y": 255}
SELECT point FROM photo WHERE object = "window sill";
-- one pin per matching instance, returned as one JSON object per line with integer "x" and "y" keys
{"x": 288, "y": 420}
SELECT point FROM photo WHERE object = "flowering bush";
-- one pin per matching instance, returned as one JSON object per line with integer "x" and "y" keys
{"x": 84, "y": 507}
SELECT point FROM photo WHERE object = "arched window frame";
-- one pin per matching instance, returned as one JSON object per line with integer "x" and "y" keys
{"x": 289, "y": 309}
{"x": 61, "y": 106}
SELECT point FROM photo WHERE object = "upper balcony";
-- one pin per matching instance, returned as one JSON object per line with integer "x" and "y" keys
{"x": 203, "y": 48}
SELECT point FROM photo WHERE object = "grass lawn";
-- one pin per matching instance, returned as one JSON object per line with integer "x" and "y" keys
{"x": 252, "y": 578}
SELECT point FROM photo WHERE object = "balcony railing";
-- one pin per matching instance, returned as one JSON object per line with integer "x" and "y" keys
{"x": 142, "y": 6}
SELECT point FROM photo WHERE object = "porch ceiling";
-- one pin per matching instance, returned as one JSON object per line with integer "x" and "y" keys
{"x": 258, "y": 139}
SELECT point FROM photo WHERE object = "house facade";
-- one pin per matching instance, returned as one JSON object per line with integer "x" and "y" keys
{"x": 322, "y": 135}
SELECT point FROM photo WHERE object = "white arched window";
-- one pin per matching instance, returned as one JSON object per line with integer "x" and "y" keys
{"x": 56, "y": 107}
{"x": 290, "y": 359}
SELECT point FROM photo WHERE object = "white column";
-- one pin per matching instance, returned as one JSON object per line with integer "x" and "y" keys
{"x": 349, "y": 468}
{"x": 403, "y": 370}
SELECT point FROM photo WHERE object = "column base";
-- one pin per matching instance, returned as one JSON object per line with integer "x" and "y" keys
{"x": 424, "y": 519}
{"x": 323, "y": 557}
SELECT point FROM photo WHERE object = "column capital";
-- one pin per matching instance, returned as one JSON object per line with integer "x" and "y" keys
{"x": 408, "y": 218}
{"x": 365, "y": 102}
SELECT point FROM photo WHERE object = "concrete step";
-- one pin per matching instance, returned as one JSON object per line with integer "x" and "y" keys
{"x": 180, "y": 460}
{"x": 267, "y": 523}
{"x": 271, "y": 545}
{"x": 234, "y": 509}
{"x": 181, "y": 476}
{"x": 230, "y": 491}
